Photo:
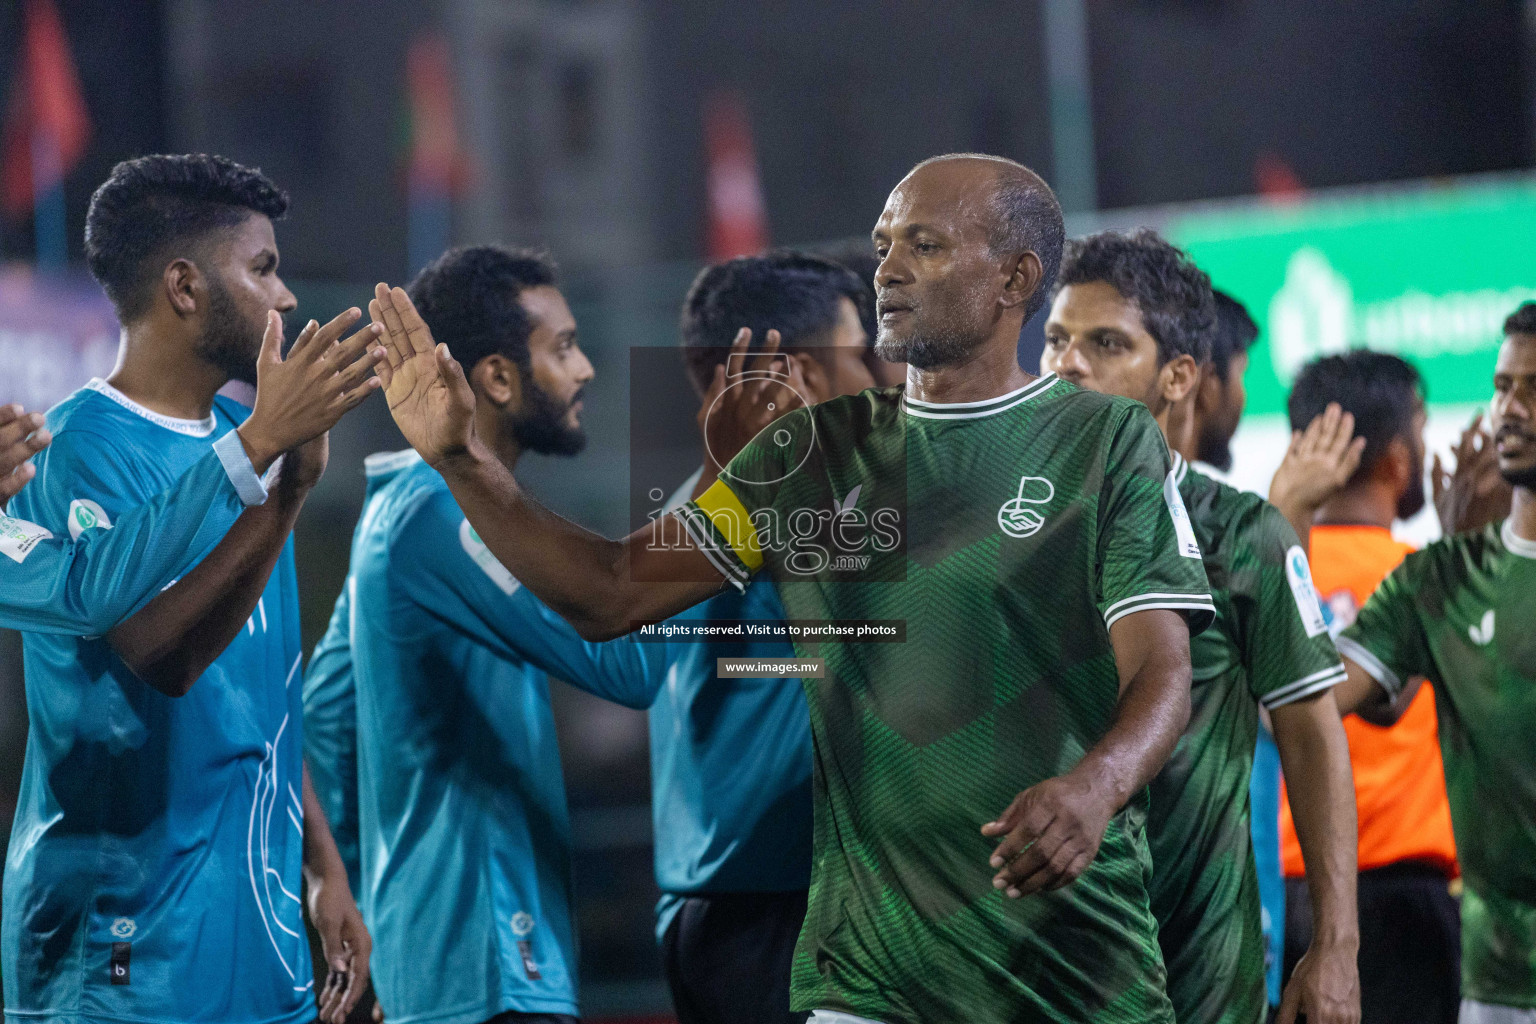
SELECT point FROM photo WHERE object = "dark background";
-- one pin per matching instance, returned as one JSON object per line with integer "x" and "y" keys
{"x": 583, "y": 125}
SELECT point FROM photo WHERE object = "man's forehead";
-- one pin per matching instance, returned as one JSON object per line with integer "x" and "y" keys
{"x": 1517, "y": 355}
{"x": 546, "y": 306}
{"x": 245, "y": 239}
{"x": 1095, "y": 304}
{"x": 948, "y": 194}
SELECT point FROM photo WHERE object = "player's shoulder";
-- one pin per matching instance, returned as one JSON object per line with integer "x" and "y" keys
{"x": 232, "y": 409}
{"x": 872, "y": 405}
{"x": 1242, "y": 518}
{"x": 1462, "y": 554}
{"x": 415, "y": 506}
{"x": 1069, "y": 408}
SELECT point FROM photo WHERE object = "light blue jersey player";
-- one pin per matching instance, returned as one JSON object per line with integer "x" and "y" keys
{"x": 160, "y": 834}
{"x": 52, "y": 584}
{"x": 463, "y": 834}
{"x": 153, "y": 872}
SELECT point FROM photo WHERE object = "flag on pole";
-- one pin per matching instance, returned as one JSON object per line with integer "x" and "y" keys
{"x": 738, "y": 217}
{"x": 47, "y": 129}
{"x": 438, "y": 168}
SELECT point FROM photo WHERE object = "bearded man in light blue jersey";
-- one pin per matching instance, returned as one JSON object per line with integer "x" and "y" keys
{"x": 165, "y": 828}
{"x": 463, "y": 832}
{"x": 732, "y": 857}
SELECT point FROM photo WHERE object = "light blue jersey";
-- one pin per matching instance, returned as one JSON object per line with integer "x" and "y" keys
{"x": 1264, "y": 827}
{"x": 330, "y": 696}
{"x": 465, "y": 837}
{"x": 84, "y": 587}
{"x": 154, "y": 865}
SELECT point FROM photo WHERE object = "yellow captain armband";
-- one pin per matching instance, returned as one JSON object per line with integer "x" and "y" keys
{"x": 718, "y": 520}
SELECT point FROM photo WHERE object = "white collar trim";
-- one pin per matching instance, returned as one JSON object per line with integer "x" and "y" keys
{"x": 191, "y": 428}
{"x": 1517, "y": 544}
{"x": 380, "y": 463}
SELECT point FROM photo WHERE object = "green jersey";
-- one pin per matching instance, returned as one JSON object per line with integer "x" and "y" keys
{"x": 1269, "y": 645}
{"x": 1007, "y": 535}
{"x": 1460, "y": 612}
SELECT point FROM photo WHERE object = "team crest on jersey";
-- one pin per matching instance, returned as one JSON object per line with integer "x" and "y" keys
{"x": 85, "y": 514}
{"x": 1018, "y": 517}
{"x": 1482, "y": 633}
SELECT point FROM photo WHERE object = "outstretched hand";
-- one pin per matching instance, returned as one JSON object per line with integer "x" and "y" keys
{"x": 301, "y": 397}
{"x": 1474, "y": 494}
{"x": 1050, "y": 834}
{"x": 428, "y": 395}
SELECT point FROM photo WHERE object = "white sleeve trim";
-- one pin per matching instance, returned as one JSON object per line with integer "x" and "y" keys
{"x": 1373, "y": 666}
{"x": 705, "y": 542}
{"x": 1146, "y": 602}
{"x": 237, "y": 465}
{"x": 1306, "y": 686}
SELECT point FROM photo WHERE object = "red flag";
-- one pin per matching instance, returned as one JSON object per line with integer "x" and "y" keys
{"x": 438, "y": 164}
{"x": 738, "y": 220}
{"x": 1276, "y": 180}
{"x": 47, "y": 125}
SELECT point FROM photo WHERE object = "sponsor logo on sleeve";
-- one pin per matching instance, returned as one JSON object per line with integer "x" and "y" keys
{"x": 85, "y": 514}
{"x": 1183, "y": 529}
{"x": 1299, "y": 575}
{"x": 18, "y": 537}
{"x": 476, "y": 549}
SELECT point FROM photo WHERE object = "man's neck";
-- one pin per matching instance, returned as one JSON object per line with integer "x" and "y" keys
{"x": 499, "y": 441}
{"x": 1359, "y": 506}
{"x": 164, "y": 378}
{"x": 990, "y": 370}
{"x": 1180, "y": 428}
{"x": 1522, "y": 514}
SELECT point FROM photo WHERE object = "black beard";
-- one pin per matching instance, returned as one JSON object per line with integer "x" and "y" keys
{"x": 540, "y": 426}
{"x": 228, "y": 341}
{"x": 1215, "y": 451}
{"x": 1520, "y": 477}
{"x": 1412, "y": 500}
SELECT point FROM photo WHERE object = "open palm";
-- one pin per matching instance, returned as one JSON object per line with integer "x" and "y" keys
{"x": 428, "y": 396}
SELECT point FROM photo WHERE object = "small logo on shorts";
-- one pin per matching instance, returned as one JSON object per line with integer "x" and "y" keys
{"x": 1016, "y": 518}
{"x": 522, "y": 924}
{"x": 118, "y": 966}
{"x": 123, "y": 928}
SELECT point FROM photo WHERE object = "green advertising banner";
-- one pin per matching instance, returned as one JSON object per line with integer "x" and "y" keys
{"x": 1429, "y": 275}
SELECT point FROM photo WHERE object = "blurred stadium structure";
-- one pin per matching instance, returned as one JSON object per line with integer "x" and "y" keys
{"x": 634, "y": 137}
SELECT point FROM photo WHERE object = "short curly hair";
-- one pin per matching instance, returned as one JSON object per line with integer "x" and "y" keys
{"x": 1522, "y": 320}
{"x": 1173, "y": 295}
{"x": 469, "y": 297}
{"x": 794, "y": 293}
{"x": 151, "y": 204}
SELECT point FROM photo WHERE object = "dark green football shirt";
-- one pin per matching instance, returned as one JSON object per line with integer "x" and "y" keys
{"x": 1269, "y": 645}
{"x": 1462, "y": 612}
{"x": 1007, "y": 535}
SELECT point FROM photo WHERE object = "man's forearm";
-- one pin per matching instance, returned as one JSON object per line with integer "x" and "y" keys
{"x": 322, "y": 860}
{"x": 173, "y": 639}
{"x": 1153, "y": 649}
{"x": 1314, "y": 755}
{"x": 587, "y": 579}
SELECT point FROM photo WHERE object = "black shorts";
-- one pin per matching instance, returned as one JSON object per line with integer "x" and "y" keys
{"x": 1410, "y": 943}
{"x": 727, "y": 958}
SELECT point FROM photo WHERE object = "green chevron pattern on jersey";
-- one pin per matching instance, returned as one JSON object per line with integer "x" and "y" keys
{"x": 1026, "y": 524}
{"x": 1461, "y": 612}
{"x": 1268, "y": 645}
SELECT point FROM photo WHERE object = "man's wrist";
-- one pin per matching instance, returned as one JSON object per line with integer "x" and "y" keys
{"x": 467, "y": 461}
{"x": 260, "y": 451}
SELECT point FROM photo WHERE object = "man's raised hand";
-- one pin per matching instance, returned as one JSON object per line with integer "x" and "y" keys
{"x": 748, "y": 392}
{"x": 428, "y": 395}
{"x": 1474, "y": 494}
{"x": 301, "y": 397}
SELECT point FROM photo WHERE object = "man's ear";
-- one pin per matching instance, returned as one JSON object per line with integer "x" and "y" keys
{"x": 185, "y": 287}
{"x": 1178, "y": 377}
{"x": 499, "y": 380}
{"x": 1395, "y": 467}
{"x": 1023, "y": 281}
{"x": 817, "y": 380}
